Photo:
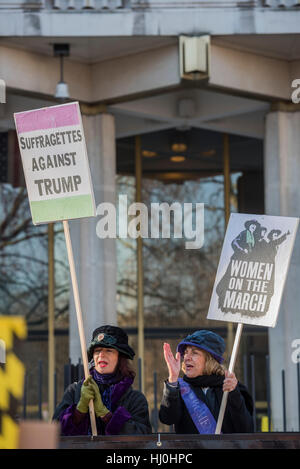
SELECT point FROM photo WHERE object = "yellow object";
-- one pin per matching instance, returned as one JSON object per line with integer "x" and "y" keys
{"x": 265, "y": 424}
{"x": 10, "y": 325}
{"x": 11, "y": 379}
{"x": 9, "y": 438}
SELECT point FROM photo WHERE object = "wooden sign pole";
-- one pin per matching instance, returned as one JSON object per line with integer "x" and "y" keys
{"x": 230, "y": 369}
{"x": 48, "y": 208}
{"x": 140, "y": 280}
{"x": 79, "y": 318}
{"x": 51, "y": 320}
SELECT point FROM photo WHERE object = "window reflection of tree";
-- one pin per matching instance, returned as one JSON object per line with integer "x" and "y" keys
{"x": 177, "y": 281}
{"x": 24, "y": 262}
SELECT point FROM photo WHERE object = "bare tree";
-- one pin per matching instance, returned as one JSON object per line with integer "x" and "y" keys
{"x": 177, "y": 281}
{"x": 24, "y": 262}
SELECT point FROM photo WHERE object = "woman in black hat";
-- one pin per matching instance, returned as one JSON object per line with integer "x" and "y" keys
{"x": 245, "y": 242}
{"x": 119, "y": 409}
{"x": 244, "y": 248}
{"x": 192, "y": 404}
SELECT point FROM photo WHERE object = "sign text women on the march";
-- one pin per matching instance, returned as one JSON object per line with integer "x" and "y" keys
{"x": 252, "y": 269}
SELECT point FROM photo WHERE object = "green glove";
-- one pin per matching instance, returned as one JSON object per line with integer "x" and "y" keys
{"x": 100, "y": 409}
{"x": 87, "y": 393}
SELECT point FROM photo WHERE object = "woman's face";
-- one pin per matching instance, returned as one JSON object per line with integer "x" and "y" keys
{"x": 193, "y": 361}
{"x": 105, "y": 359}
{"x": 252, "y": 228}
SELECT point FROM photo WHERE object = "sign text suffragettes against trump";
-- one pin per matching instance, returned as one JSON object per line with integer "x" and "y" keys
{"x": 55, "y": 163}
{"x": 252, "y": 269}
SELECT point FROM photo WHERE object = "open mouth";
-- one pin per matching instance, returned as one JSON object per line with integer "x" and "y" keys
{"x": 103, "y": 364}
{"x": 188, "y": 367}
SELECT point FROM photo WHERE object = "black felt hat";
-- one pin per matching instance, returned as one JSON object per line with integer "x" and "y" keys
{"x": 110, "y": 337}
{"x": 248, "y": 223}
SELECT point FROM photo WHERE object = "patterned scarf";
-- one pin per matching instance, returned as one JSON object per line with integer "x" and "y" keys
{"x": 109, "y": 378}
{"x": 112, "y": 386}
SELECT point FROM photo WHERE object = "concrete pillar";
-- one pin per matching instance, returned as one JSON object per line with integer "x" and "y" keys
{"x": 282, "y": 197}
{"x": 95, "y": 258}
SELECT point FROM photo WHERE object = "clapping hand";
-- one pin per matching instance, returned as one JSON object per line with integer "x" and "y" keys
{"x": 173, "y": 363}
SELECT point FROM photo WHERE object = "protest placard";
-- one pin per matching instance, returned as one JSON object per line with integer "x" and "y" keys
{"x": 251, "y": 276}
{"x": 55, "y": 163}
{"x": 252, "y": 269}
{"x": 58, "y": 181}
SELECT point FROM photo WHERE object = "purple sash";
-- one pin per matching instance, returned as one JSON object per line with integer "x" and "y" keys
{"x": 198, "y": 410}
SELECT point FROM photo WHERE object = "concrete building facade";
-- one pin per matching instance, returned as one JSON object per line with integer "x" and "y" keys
{"x": 129, "y": 69}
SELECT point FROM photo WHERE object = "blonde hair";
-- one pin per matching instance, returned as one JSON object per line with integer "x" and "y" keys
{"x": 212, "y": 366}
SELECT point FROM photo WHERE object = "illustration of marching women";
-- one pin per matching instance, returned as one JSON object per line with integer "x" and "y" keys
{"x": 253, "y": 250}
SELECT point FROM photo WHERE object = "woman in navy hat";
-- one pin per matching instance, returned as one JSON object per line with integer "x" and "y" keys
{"x": 119, "y": 409}
{"x": 192, "y": 404}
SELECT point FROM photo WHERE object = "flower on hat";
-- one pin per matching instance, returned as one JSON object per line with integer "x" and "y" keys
{"x": 108, "y": 339}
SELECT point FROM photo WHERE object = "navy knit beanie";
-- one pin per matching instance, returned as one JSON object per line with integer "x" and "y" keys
{"x": 205, "y": 340}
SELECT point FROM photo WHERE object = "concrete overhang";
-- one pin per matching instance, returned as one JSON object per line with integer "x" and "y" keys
{"x": 143, "y": 71}
{"x": 139, "y": 81}
{"x": 151, "y": 21}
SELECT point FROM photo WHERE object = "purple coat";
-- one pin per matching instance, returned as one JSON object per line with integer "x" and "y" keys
{"x": 130, "y": 414}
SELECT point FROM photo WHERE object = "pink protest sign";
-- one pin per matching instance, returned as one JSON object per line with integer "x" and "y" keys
{"x": 48, "y": 118}
{"x": 55, "y": 163}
